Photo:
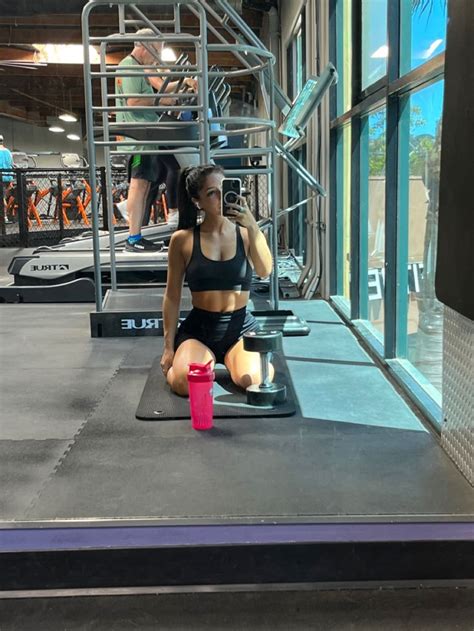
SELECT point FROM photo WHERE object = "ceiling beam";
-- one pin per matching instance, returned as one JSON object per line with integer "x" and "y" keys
{"x": 46, "y": 35}
{"x": 66, "y": 29}
{"x": 61, "y": 85}
{"x": 223, "y": 59}
{"x": 252, "y": 18}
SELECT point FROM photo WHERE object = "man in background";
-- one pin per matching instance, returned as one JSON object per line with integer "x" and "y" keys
{"x": 143, "y": 168}
{"x": 6, "y": 162}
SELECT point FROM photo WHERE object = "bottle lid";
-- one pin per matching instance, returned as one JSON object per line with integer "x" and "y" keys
{"x": 202, "y": 377}
{"x": 200, "y": 372}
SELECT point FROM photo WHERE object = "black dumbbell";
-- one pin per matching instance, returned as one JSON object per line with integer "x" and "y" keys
{"x": 267, "y": 392}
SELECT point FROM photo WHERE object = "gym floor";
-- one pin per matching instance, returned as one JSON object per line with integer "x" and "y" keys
{"x": 436, "y": 609}
{"x": 71, "y": 448}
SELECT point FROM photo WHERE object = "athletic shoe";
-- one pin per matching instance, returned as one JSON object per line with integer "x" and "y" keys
{"x": 143, "y": 245}
{"x": 173, "y": 220}
{"x": 122, "y": 208}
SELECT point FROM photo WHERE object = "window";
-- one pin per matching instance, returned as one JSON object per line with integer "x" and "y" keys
{"x": 297, "y": 218}
{"x": 420, "y": 323}
{"x": 423, "y": 32}
{"x": 343, "y": 196}
{"x": 296, "y": 70}
{"x": 344, "y": 57}
{"x": 374, "y": 41}
{"x": 296, "y": 188}
{"x": 372, "y": 209}
{"x": 385, "y": 165}
{"x": 300, "y": 70}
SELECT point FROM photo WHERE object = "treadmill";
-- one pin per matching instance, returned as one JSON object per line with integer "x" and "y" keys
{"x": 65, "y": 272}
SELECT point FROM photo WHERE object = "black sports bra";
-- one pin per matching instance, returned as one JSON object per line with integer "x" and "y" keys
{"x": 203, "y": 274}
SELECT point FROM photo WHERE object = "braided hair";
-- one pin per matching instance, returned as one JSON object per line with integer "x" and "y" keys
{"x": 190, "y": 183}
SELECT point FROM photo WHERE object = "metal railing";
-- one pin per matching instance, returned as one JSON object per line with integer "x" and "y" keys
{"x": 157, "y": 136}
{"x": 42, "y": 206}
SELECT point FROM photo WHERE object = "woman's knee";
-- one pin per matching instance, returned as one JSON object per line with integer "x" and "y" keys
{"x": 188, "y": 352}
{"x": 178, "y": 381}
{"x": 248, "y": 375}
{"x": 245, "y": 377}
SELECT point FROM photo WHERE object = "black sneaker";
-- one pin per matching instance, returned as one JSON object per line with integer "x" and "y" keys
{"x": 143, "y": 245}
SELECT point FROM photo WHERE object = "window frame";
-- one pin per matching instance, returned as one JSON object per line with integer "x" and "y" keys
{"x": 392, "y": 92}
{"x": 296, "y": 59}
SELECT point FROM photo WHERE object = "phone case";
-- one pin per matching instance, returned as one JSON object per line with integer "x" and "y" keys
{"x": 231, "y": 187}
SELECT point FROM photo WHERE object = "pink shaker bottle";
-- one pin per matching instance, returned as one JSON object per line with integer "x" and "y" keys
{"x": 200, "y": 382}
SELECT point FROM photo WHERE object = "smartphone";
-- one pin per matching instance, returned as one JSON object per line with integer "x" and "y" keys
{"x": 231, "y": 188}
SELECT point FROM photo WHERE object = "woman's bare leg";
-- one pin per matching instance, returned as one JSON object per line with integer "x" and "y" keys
{"x": 244, "y": 366}
{"x": 188, "y": 352}
{"x": 137, "y": 194}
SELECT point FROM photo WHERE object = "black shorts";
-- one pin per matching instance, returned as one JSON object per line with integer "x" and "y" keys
{"x": 145, "y": 167}
{"x": 218, "y": 331}
{"x": 158, "y": 169}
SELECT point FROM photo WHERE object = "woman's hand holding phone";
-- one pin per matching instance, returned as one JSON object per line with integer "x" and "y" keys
{"x": 240, "y": 213}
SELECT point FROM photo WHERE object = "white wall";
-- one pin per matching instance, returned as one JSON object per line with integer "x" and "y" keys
{"x": 19, "y": 136}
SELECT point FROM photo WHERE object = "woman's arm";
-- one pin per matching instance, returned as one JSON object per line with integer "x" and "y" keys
{"x": 172, "y": 297}
{"x": 259, "y": 251}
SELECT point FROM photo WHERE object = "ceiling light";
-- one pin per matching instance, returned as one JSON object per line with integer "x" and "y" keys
{"x": 65, "y": 53}
{"x": 168, "y": 54}
{"x": 56, "y": 130}
{"x": 68, "y": 118}
{"x": 380, "y": 53}
{"x": 73, "y": 137}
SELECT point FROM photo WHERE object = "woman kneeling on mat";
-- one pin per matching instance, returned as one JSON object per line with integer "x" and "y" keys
{"x": 216, "y": 259}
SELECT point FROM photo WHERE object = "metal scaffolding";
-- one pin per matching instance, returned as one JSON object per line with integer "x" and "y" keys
{"x": 195, "y": 137}
{"x": 156, "y": 137}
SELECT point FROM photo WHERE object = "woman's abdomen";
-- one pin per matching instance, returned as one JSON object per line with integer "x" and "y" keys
{"x": 220, "y": 301}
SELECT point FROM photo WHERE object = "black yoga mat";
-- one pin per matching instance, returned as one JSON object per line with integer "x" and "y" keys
{"x": 159, "y": 403}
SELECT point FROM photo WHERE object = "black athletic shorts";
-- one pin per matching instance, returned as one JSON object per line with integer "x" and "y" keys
{"x": 159, "y": 169}
{"x": 218, "y": 331}
{"x": 145, "y": 167}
